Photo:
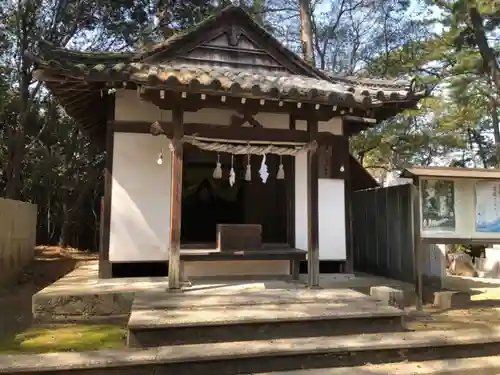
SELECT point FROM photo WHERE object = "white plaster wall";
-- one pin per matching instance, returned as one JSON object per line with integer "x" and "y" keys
{"x": 128, "y": 107}
{"x": 331, "y": 203}
{"x": 333, "y": 126}
{"x": 465, "y": 213}
{"x": 301, "y": 235}
{"x": 140, "y": 199}
{"x": 332, "y": 229}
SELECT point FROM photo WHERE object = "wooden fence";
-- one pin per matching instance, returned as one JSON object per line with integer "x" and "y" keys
{"x": 383, "y": 233}
{"x": 17, "y": 236}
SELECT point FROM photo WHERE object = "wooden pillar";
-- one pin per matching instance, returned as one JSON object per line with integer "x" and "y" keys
{"x": 417, "y": 242}
{"x": 174, "y": 263}
{"x": 349, "y": 264}
{"x": 105, "y": 268}
{"x": 289, "y": 165}
{"x": 312, "y": 204}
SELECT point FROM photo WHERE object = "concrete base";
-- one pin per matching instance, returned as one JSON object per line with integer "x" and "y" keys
{"x": 451, "y": 300}
{"x": 388, "y": 295}
{"x": 82, "y": 293}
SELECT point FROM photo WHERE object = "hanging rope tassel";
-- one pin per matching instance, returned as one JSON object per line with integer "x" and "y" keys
{"x": 232, "y": 175}
{"x": 263, "y": 169}
{"x": 248, "y": 172}
{"x": 281, "y": 171}
{"x": 218, "y": 169}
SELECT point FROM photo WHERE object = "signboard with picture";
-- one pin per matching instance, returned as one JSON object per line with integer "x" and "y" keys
{"x": 438, "y": 206}
{"x": 487, "y": 207}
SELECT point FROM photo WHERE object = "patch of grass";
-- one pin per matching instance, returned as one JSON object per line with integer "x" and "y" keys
{"x": 65, "y": 338}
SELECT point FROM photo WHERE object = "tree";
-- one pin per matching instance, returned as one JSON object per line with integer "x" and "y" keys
{"x": 306, "y": 31}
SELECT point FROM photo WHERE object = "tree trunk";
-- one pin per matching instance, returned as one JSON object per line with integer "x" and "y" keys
{"x": 14, "y": 164}
{"x": 63, "y": 236}
{"x": 496, "y": 130}
{"x": 306, "y": 31}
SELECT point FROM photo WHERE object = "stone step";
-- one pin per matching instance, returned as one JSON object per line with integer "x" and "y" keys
{"x": 465, "y": 366}
{"x": 149, "y": 328}
{"x": 256, "y": 357}
{"x": 212, "y": 316}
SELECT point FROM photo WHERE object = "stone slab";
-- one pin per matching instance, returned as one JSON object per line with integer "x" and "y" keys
{"x": 48, "y": 308}
{"x": 451, "y": 299}
{"x": 11, "y": 364}
{"x": 162, "y": 300}
{"x": 391, "y": 296}
{"x": 262, "y": 313}
{"x": 481, "y": 365}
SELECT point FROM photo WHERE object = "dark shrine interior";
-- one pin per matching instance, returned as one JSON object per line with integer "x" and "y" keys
{"x": 207, "y": 202}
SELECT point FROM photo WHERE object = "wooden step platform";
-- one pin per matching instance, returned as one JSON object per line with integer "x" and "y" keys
{"x": 165, "y": 319}
{"x": 439, "y": 352}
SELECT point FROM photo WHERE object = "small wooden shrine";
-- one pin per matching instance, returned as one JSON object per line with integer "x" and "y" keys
{"x": 227, "y": 154}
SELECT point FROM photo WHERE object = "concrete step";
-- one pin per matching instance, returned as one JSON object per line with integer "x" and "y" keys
{"x": 195, "y": 298}
{"x": 192, "y": 319}
{"x": 465, "y": 366}
{"x": 333, "y": 354}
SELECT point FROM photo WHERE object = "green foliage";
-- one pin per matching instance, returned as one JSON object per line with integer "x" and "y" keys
{"x": 43, "y": 156}
{"x": 45, "y": 159}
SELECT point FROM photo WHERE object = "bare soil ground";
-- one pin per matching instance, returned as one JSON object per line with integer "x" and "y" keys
{"x": 17, "y": 331}
{"x": 482, "y": 313}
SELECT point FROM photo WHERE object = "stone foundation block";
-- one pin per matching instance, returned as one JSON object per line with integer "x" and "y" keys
{"x": 451, "y": 299}
{"x": 391, "y": 296}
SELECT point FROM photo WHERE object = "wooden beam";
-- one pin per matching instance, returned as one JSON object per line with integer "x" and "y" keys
{"x": 194, "y": 102}
{"x": 312, "y": 205}
{"x": 237, "y": 121}
{"x": 218, "y": 131}
{"x": 174, "y": 263}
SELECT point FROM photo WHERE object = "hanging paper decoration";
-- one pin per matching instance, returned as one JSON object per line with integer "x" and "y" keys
{"x": 281, "y": 171}
{"x": 248, "y": 172}
{"x": 160, "y": 158}
{"x": 263, "y": 169}
{"x": 232, "y": 175}
{"x": 218, "y": 169}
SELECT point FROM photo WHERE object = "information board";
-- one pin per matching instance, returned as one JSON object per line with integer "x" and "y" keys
{"x": 487, "y": 207}
{"x": 438, "y": 206}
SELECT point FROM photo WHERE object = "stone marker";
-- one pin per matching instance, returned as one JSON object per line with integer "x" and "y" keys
{"x": 449, "y": 299}
{"x": 391, "y": 296}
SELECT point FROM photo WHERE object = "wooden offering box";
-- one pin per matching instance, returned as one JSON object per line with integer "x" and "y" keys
{"x": 239, "y": 236}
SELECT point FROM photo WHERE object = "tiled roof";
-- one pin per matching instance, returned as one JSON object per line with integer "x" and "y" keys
{"x": 319, "y": 87}
{"x": 233, "y": 81}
